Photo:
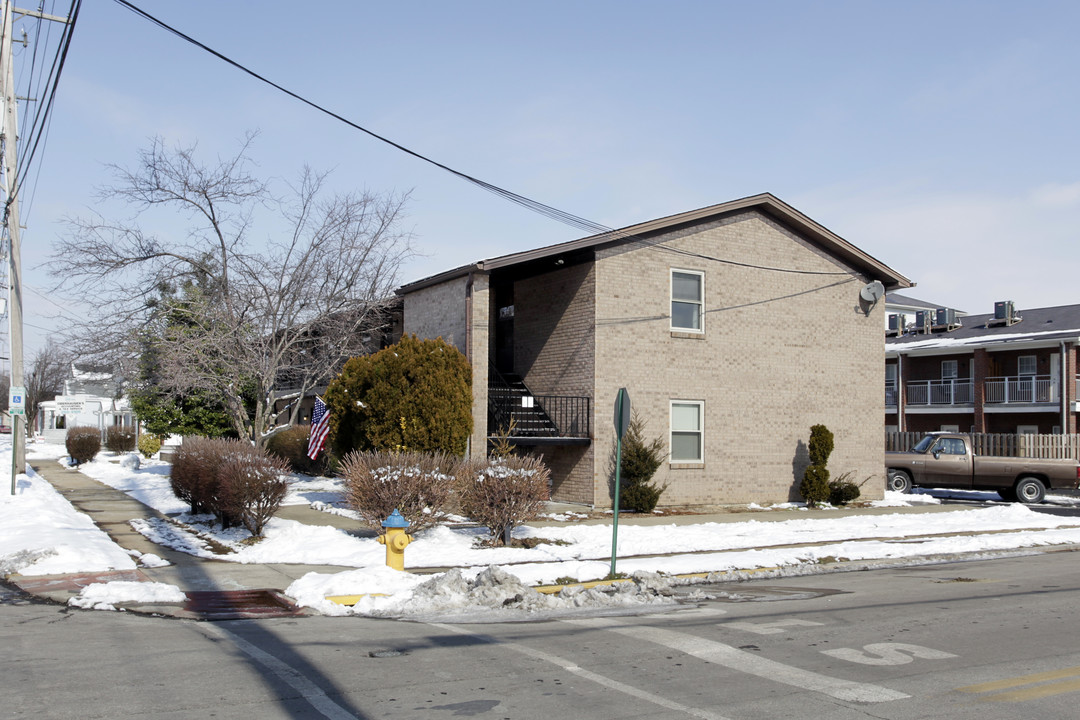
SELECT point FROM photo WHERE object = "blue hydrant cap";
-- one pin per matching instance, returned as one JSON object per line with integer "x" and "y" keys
{"x": 395, "y": 521}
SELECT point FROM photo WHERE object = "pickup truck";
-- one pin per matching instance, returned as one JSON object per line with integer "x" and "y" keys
{"x": 945, "y": 460}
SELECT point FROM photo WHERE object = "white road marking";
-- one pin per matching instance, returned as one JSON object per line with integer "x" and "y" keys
{"x": 887, "y": 654}
{"x": 747, "y": 662}
{"x": 288, "y": 674}
{"x": 571, "y": 667}
{"x": 770, "y": 628}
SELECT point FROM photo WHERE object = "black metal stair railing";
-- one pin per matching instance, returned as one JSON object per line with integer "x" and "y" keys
{"x": 549, "y": 416}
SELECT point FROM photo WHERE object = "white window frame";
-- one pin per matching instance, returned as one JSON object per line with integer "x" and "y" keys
{"x": 953, "y": 371}
{"x": 1034, "y": 369}
{"x": 700, "y": 431}
{"x": 1027, "y": 429}
{"x": 700, "y": 302}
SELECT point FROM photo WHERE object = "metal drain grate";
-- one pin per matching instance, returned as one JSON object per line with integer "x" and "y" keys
{"x": 239, "y": 604}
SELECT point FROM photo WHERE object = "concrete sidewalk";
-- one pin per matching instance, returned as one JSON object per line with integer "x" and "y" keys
{"x": 219, "y": 589}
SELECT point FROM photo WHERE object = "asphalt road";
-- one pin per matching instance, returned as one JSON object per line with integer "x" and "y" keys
{"x": 988, "y": 639}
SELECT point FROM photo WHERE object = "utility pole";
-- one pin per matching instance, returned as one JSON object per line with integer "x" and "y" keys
{"x": 11, "y": 221}
{"x": 9, "y": 138}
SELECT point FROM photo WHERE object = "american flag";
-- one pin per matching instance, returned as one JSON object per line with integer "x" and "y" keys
{"x": 320, "y": 428}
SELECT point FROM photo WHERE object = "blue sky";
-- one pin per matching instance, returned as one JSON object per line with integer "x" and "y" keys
{"x": 940, "y": 137}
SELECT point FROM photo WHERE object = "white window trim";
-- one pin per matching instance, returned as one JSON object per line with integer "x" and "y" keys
{"x": 701, "y": 431}
{"x": 1034, "y": 365}
{"x": 701, "y": 302}
{"x": 955, "y": 367}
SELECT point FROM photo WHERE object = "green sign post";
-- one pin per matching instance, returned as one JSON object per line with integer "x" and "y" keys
{"x": 622, "y": 421}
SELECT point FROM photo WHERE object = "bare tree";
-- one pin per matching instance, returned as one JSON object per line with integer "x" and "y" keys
{"x": 227, "y": 315}
{"x": 48, "y": 371}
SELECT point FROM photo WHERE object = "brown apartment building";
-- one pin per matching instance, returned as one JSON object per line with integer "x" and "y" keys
{"x": 1007, "y": 371}
{"x": 734, "y": 328}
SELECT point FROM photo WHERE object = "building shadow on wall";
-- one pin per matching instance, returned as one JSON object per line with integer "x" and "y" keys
{"x": 799, "y": 463}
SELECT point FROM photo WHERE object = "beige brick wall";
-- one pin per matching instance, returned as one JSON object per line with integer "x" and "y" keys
{"x": 780, "y": 352}
{"x": 554, "y": 343}
{"x": 554, "y": 331}
{"x": 438, "y": 311}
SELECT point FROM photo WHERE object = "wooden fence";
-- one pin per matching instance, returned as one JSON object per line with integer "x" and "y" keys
{"x": 1000, "y": 444}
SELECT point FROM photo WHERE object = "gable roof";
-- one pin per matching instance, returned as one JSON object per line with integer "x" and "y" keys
{"x": 1049, "y": 325}
{"x": 765, "y": 203}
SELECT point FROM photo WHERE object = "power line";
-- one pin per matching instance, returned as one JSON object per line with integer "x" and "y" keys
{"x": 45, "y": 108}
{"x": 534, "y": 205}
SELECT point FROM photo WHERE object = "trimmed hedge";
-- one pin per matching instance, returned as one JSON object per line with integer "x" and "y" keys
{"x": 238, "y": 483}
{"x": 82, "y": 444}
{"x": 120, "y": 439}
{"x": 503, "y": 493}
{"x": 418, "y": 485}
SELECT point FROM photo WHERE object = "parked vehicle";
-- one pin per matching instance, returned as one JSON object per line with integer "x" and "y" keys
{"x": 946, "y": 460}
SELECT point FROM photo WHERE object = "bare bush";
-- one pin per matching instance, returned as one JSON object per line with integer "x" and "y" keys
{"x": 251, "y": 488}
{"x": 120, "y": 439}
{"x": 418, "y": 485}
{"x": 82, "y": 444}
{"x": 503, "y": 493}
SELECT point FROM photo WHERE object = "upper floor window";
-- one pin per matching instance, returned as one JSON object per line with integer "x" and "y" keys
{"x": 687, "y": 300}
{"x": 687, "y": 436}
{"x": 950, "y": 370}
{"x": 1027, "y": 365}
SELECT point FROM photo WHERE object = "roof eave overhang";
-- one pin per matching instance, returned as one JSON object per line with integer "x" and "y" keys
{"x": 766, "y": 203}
{"x": 913, "y": 349}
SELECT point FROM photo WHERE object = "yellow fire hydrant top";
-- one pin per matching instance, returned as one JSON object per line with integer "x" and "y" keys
{"x": 396, "y": 540}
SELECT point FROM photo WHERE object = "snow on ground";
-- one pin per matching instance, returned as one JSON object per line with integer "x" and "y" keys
{"x": 41, "y": 534}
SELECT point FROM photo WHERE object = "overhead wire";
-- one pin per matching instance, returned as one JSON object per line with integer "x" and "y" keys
{"x": 536, "y": 206}
{"x": 44, "y": 107}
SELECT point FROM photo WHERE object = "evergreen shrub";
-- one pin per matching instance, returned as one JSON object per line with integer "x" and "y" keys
{"x": 815, "y": 484}
{"x": 842, "y": 490}
{"x": 291, "y": 445}
{"x": 414, "y": 396}
{"x": 120, "y": 439}
{"x": 418, "y": 485}
{"x": 149, "y": 444}
{"x": 82, "y": 444}
{"x": 640, "y": 461}
{"x": 503, "y": 493}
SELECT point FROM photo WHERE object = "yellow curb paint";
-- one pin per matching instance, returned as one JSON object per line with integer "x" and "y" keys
{"x": 351, "y": 600}
{"x": 553, "y": 589}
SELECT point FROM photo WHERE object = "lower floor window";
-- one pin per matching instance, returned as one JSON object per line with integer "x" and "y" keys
{"x": 686, "y": 431}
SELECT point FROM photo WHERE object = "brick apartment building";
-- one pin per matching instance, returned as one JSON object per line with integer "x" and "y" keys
{"x": 1008, "y": 371}
{"x": 733, "y": 327}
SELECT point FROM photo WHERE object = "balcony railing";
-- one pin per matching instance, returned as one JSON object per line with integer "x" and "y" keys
{"x": 1028, "y": 389}
{"x": 940, "y": 392}
{"x": 890, "y": 394}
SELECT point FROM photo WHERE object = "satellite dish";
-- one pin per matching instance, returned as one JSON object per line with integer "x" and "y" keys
{"x": 872, "y": 292}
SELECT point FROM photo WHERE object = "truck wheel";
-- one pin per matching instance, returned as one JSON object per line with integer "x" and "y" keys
{"x": 1030, "y": 490}
{"x": 899, "y": 481}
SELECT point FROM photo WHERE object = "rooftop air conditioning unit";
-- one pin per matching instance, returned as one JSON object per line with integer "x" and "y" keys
{"x": 897, "y": 323}
{"x": 945, "y": 317}
{"x": 1005, "y": 311}
{"x": 924, "y": 320}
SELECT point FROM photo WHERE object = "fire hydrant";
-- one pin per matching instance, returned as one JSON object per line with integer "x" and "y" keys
{"x": 395, "y": 539}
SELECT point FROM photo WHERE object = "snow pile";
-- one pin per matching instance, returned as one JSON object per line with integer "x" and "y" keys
{"x": 105, "y": 596}
{"x": 490, "y": 595}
